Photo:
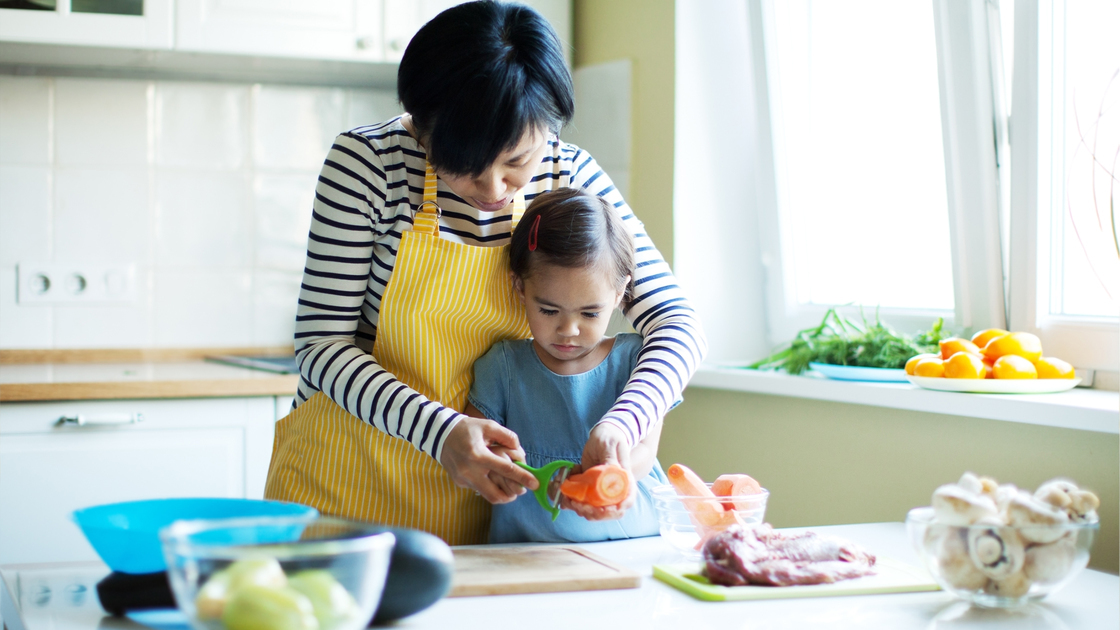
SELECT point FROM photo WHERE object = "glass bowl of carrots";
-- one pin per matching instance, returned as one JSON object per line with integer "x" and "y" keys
{"x": 687, "y": 521}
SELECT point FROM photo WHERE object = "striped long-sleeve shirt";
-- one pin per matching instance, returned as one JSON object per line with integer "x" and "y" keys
{"x": 371, "y": 182}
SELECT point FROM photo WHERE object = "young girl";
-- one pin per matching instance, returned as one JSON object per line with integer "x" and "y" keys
{"x": 571, "y": 261}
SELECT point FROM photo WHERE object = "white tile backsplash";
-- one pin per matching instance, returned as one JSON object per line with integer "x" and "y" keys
{"x": 21, "y": 326}
{"x": 101, "y": 122}
{"x": 369, "y": 107}
{"x": 274, "y": 310}
{"x": 202, "y": 219}
{"x": 25, "y": 216}
{"x": 201, "y": 126}
{"x": 293, "y": 128}
{"x": 102, "y": 215}
{"x": 205, "y": 187}
{"x": 283, "y": 219}
{"x": 25, "y": 120}
{"x": 203, "y": 308}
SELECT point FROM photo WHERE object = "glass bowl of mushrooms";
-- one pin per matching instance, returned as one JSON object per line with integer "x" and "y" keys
{"x": 999, "y": 546}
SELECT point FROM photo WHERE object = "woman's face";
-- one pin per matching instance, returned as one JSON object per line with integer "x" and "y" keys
{"x": 494, "y": 189}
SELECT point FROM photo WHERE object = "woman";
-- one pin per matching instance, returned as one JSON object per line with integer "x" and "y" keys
{"x": 405, "y": 285}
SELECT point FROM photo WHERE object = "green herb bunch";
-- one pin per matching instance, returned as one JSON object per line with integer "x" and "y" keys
{"x": 841, "y": 341}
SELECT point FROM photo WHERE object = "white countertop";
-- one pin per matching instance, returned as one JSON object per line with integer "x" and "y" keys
{"x": 63, "y": 597}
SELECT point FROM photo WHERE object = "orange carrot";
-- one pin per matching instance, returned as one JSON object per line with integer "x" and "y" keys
{"x": 602, "y": 485}
{"x": 705, "y": 514}
{"x": 736, "y": 485}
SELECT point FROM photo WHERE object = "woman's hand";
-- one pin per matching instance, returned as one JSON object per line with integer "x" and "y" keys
{"x": 468, "y": 459}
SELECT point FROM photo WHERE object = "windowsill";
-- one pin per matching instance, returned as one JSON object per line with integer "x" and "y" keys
{"x": 1079, "y": 408}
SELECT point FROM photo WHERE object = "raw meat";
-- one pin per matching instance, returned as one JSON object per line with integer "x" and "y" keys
{"x": 758, "y": 555}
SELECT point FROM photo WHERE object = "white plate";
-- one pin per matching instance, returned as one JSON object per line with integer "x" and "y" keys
{"x": 855, "y": 373}
{"x": 995, "y": 385}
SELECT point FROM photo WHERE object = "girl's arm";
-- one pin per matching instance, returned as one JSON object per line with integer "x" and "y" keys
{"x": 673, "y": 341}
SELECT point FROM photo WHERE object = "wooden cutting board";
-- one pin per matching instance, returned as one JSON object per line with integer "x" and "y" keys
{"x": 503, "y": 570}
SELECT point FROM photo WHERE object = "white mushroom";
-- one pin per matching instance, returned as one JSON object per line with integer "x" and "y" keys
{"x": 971, "y": 483}
{"x": 997, "y": 550}
{"x": 954, "y": 505}
{"x": 1004, "y": 494}
{"x": 1015, "y": 585}
{"x": 1050, "y": 563}
{"x": 1039, "y": 522}
{"x": 950, "y": 547}
{"x": 988, "y": 487}
{"x": 1080, "y": 505}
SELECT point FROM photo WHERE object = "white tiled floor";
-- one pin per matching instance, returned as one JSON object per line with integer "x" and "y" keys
{"x": 205, "y": 187}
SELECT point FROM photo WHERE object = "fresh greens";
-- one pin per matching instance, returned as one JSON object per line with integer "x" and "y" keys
{"x": 841, "y": 341}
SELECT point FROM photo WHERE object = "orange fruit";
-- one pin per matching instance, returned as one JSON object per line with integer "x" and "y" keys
{"x": 930, "y": 366}
{"x": 953, "y": 345}
{"x": 988, "y": 373}
{"x": 965, "y": 365}
{"x": 912, "y": 362}
{"x": 1050, "y": 367}
{"x": 1019, "y": 344}
{"x": 1013, "y": 366}
{"x": 982, "y": 338}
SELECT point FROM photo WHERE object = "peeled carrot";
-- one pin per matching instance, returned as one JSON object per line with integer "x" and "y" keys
{"x": 704, "y": 514}
{"x": 602, "y": 485}
{"x": 736, "y": 485}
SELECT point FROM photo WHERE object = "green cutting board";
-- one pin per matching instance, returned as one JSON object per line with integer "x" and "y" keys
{"x": 891, "y": 576}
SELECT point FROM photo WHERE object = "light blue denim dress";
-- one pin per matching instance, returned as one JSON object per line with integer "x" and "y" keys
{"x": 552, "y": 416}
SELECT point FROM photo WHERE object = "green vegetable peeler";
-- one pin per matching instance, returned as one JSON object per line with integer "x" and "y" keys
{"x": 544, "y": 479}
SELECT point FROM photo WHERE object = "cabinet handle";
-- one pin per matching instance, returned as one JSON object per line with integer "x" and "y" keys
{"x": 82, "y": 420}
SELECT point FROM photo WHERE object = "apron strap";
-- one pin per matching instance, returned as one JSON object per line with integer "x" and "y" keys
{"x": 425, "y": 219}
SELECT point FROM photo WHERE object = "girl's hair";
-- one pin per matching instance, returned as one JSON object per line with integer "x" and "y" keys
{"x": 480, "y": 75}
{"x": 575, "y": 230}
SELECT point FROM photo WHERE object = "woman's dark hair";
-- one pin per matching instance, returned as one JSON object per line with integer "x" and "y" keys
{"x": 477, "y": 77}
{"x": 575, "y": 230}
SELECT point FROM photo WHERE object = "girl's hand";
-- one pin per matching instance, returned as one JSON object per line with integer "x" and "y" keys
{"x": 468, "y": 459}
{"x": 605, "y": 513}
{"x": 606, "y": 445}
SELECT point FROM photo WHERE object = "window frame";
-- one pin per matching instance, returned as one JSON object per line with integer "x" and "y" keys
{"x": 1086, "y": 342}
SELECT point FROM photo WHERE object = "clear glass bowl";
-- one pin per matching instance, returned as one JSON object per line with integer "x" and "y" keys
{"x": 678, "y": 527}
{"x": 297, "y": 573}
{"x": 1024, "y": 564}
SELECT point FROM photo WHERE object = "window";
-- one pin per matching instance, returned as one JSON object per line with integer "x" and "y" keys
{"x": 1065, "y": 109}
{"x": 899, "y": 183}
{"x": 859, "y": 155}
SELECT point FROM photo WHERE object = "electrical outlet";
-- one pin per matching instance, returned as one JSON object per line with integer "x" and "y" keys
{"x": 50, "y": 284}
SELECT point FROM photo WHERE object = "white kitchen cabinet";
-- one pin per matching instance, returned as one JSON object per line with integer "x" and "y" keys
{"x": 324, "y": 29}
{"x": 79, "y": 27}
{"x": 404, "y": 17}
{"x": 204, "y": 447}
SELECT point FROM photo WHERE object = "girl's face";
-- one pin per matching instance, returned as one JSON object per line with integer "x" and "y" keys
{"x": 568, "y": 311}
{"x": 494, "y": 189}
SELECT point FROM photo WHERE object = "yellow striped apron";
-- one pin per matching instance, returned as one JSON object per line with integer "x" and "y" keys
{"x": 445, "y": 305}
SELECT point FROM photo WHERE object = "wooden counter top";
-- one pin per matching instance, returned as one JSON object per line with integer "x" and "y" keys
{"x": 45, "y": 375}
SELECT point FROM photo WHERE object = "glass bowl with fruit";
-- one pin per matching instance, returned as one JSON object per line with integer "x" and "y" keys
{"x": 285, "y": 573}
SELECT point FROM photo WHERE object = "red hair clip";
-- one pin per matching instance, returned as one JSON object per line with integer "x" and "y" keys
{"x": 533, "y": 233}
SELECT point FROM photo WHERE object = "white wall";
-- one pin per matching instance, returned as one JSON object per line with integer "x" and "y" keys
{"x": 205, "y": 187}
{"x": 717, "y": 167}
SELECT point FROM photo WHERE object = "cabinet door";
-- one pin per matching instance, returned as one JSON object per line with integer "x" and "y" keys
{"x": 144, "y": 24}
{"x": 324, "y": 29}
{"x": 183, "y": 448}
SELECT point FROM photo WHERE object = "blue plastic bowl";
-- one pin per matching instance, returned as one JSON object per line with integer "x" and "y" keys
{"x": 126, "y": 535}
